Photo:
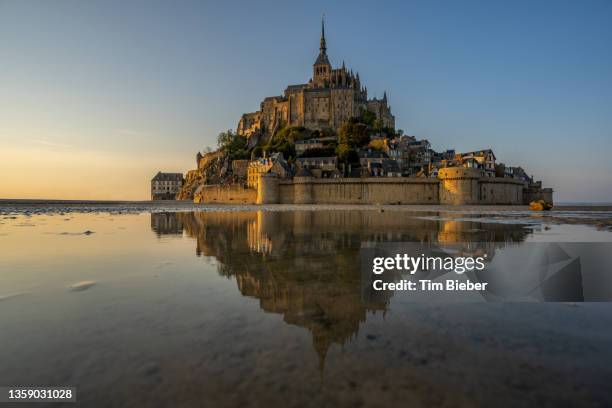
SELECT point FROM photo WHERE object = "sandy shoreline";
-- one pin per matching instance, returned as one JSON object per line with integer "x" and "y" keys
{"x": 599, "y": 217}
{"x": 72, "y": 205}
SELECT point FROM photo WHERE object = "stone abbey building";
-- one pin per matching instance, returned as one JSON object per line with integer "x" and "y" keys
{"x": 331, "y": 97}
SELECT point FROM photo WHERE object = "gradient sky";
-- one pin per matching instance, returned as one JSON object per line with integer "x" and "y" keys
{"x": 96, "y": 96}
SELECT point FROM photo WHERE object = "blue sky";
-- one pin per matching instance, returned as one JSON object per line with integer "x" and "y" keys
{"x": 97, "y": 96}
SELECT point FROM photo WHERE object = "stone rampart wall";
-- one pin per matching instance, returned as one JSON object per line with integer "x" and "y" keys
{"x": 359, "y": 191}
{"x": 225, "y": 194}
{"x": 501, "y": 191}
{"x": 454, "y": 186}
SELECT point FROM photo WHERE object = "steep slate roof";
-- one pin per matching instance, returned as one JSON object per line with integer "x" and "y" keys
{"x": 282, "y": 163}
{"x": 168, "y": 176}
{"x": 482, "y": 152}
{"x": 322, "y": 60}
{"x": 292, "y": 88}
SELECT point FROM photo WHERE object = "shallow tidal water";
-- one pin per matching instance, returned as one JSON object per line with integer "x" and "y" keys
{"x": 264, "y": 308}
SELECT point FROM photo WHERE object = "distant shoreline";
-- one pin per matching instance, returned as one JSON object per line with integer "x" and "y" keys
{"x": 173, "y": 205}
{"x": 59, "y": 201}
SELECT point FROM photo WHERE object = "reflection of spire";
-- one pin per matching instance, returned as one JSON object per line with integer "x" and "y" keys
{"x": 321, "y": 344}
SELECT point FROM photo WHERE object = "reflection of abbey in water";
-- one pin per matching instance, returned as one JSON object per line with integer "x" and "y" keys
{"x": 305, "y": 266}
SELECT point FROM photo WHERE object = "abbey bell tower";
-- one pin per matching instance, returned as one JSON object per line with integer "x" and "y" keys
{"x": 322, "y": 68}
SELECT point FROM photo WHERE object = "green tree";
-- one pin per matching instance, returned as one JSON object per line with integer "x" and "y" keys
{"x": 327, "y": 132}
{"x": 388, "y": 131}
{"x": 319, "y": 152}
{"x": 367, "y": 117}
{"x": 377, "y": 144}
{"x": 297, "y": 133}
{"x": 232, "y": 144}
{"x": 378, "y": 125}
{"x": 240, "y": 154}
{"x": 346, "y": 154}
{"x": 291, "y": 134}
{"x": 342, "y": 150}
{"x": 354, "y": 134}
{"x": 257, "y": 152}
{"x": 288, "y": 150}
{"x": 500, "y": 170}
{"x": 284, "y": 140}
{"x": 224, "y": 140}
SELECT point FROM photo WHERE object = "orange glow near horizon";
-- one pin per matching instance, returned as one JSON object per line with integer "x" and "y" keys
{"x": 49, "y": 172}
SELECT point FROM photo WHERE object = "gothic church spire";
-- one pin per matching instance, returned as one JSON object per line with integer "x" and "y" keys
{"x": 323, "y": 47}
{"x": 322, "y": 58}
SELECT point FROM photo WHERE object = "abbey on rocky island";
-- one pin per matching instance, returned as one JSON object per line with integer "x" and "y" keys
{"x": 330, "y": 98}
{"x": 325, "y": 142}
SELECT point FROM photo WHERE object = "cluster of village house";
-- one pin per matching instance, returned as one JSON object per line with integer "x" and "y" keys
{"x": 402, "y": 156}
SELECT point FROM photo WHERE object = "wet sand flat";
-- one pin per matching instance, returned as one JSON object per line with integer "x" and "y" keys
{"x": 242, "y": 307}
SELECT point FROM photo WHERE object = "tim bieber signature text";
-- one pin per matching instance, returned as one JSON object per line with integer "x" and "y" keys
{"x": 411, "y": 265}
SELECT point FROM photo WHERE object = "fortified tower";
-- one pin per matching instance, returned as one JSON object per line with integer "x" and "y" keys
{"x": 459, "y": 185}
{"x": 267, "y": 188}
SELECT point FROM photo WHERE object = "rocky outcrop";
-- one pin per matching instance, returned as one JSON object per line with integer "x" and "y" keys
{"x": 193, "y": 179}
{"x": 213, "y": 168}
